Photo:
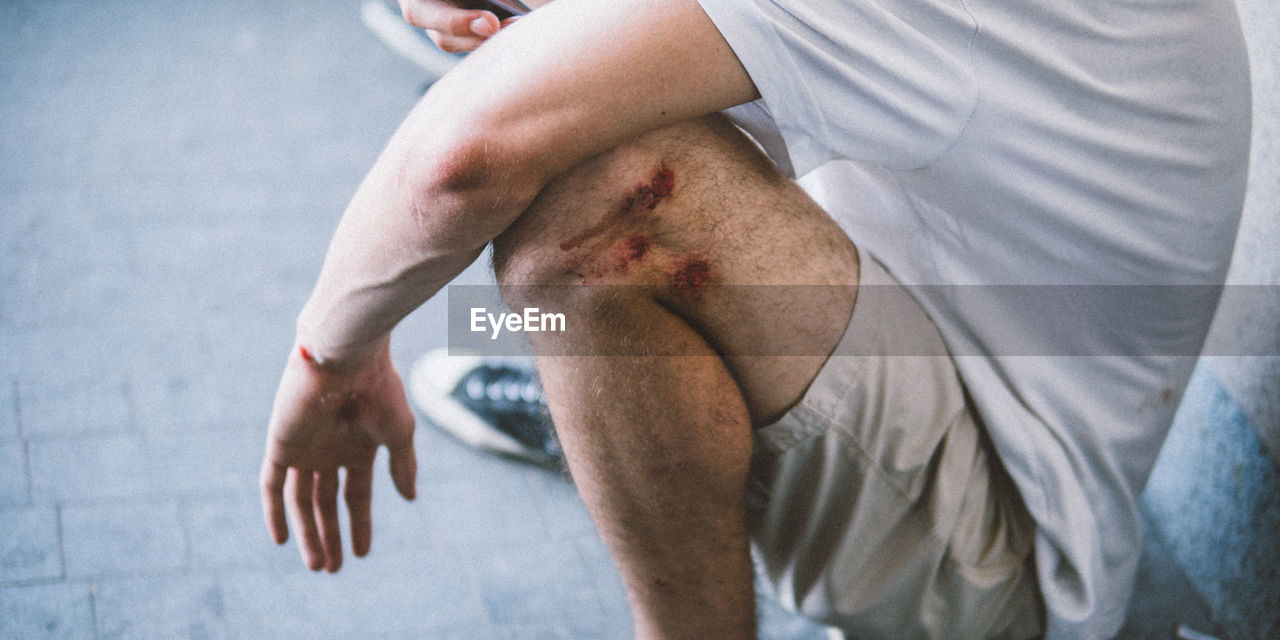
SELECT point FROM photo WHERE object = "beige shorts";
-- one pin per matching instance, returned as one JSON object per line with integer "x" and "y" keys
{"x": 877, "y": 505}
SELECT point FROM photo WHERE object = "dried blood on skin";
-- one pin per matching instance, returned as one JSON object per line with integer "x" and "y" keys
{"x": 649, "y": 195}
{"x": 632, "y": 250}
{"x": 645, "y": 197}
{"x": 639, "y": 245}
{"x": 691, "y": 272}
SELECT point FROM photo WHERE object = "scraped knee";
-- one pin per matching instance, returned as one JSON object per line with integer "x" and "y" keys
{"x": 648, "y": 212}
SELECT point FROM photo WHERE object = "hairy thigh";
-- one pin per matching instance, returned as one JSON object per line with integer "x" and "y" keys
{"x": 697, "y": 219}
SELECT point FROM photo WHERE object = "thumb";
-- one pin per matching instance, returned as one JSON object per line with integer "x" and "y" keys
{"x": 404, "y": 469}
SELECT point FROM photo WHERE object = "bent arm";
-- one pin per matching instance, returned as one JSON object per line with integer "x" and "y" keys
{"x": 571, "y": 80}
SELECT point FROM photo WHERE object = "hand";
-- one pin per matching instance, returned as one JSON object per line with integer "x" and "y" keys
{"x": 452, "y": 28}
{"x": 328, "y": 416}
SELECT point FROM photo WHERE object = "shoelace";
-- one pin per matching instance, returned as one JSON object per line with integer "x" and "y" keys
{"x": 511, "y": 400}
{"x": 499, "y": 384}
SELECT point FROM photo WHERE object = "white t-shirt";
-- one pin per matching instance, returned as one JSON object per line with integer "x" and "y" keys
{"x": 1030, "y": 142}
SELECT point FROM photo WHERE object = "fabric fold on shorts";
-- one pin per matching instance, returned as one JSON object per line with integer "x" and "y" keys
{"x": 875, "y": 504}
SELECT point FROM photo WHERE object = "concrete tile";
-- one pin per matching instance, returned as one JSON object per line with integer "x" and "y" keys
{"x": 178, "y": 606}
{"x": 572, "y": 628}
{"x": 72, "y": 272}
{"x": 523, "y": 582}
{"x": 393, "y": 595}
{"x": 83, "y": 404}
{"x": 88, "y": 469}
{"x": 229, "y": 533}
{"x": 606, "y": 581}
{"x": 176, "y": 398}
{"x": 10, "y": 347}
{"x": 403, "y": 526}
{"x": 442, "y": 456}
{"x": 481, "y": 512}
{"x": 477, "y": 631}
{"x": 64, "y": 241}
{"x": 25, "y": 209}
{"x": 123, "y": 539}
{"x": 29, "y": 545}
{"x": 8, "y": 407}
{"x": 15, "y": 487}
{"x": 205, "y": 462}
{"x": 51, "y": 611}
{"x": 59, "y": 355}
{"x": 563, "y": 510}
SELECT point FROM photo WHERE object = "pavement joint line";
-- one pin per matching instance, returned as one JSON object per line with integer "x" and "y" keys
{"x": 108, "y": 579}
{"x": 473, "y": 586}
{"x": 68, "y": 436}
{"x": 41, "y": 582}
{"x": 159, "y": 573}
{"x": 131, "y": 407}
{"x": 185, "y": 526}
{"x": 138, "y": 499}
{"x": 17, "y": 412}
{"x": 29, "y": 471}
{"x": 93, "y": 609}
{"x": 62, "y": 556}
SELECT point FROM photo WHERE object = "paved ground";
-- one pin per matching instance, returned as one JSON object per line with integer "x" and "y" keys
{"x": 170, "y": 172}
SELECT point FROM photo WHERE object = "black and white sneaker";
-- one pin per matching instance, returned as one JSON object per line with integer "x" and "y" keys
{"x": 494, "y": 405}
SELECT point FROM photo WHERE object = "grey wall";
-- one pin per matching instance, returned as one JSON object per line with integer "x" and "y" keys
{"x": 1249, "y": 321}
{"x": 1213, "y": 500}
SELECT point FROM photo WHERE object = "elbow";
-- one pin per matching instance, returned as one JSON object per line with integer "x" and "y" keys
{"x": 460, "y": 166}
{"x": 467, "y": 190}
{"x": 457, "y": 192}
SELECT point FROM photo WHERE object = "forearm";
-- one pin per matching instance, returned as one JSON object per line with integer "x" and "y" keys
{"x": 406, "y": 233}
{"x": 451, "y": 178}
{"x": 569, "y": 81}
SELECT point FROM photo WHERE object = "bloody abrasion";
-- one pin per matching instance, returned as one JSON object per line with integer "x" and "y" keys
{"x": 632, "y": 250}
{"x": 645, "y": 197}
{"x": 691, "y": 272}
{"x": 648, "y": 196}
{"x": 306, "y": 355}
{"x": 638, "y": 246}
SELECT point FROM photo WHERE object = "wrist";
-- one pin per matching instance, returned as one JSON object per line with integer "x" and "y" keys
{"x": 314, "y": 351}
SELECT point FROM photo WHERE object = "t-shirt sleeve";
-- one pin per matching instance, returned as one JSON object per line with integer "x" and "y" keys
{"x": 882, "y": 81}
{"x": 754, "y": 119}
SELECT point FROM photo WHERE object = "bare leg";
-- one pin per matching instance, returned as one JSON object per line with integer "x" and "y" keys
{"x": 659, "y": 440}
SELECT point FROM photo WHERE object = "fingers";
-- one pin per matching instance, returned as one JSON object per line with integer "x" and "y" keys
{"x": 299, "y": 489}
{"x": 404, "y": 469}
{"x": 451, "y": 44}
{"x": 451, "y": 28}
{"x": 325, "y": 500}
{"x": 271, "y": 484}
{"x": 358, "y": 495}
{"x": 312, "y": 501}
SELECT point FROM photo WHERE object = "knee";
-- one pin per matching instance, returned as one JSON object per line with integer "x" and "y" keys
{"x": 603, "y": 214}
{"x": 653, "y": 212}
